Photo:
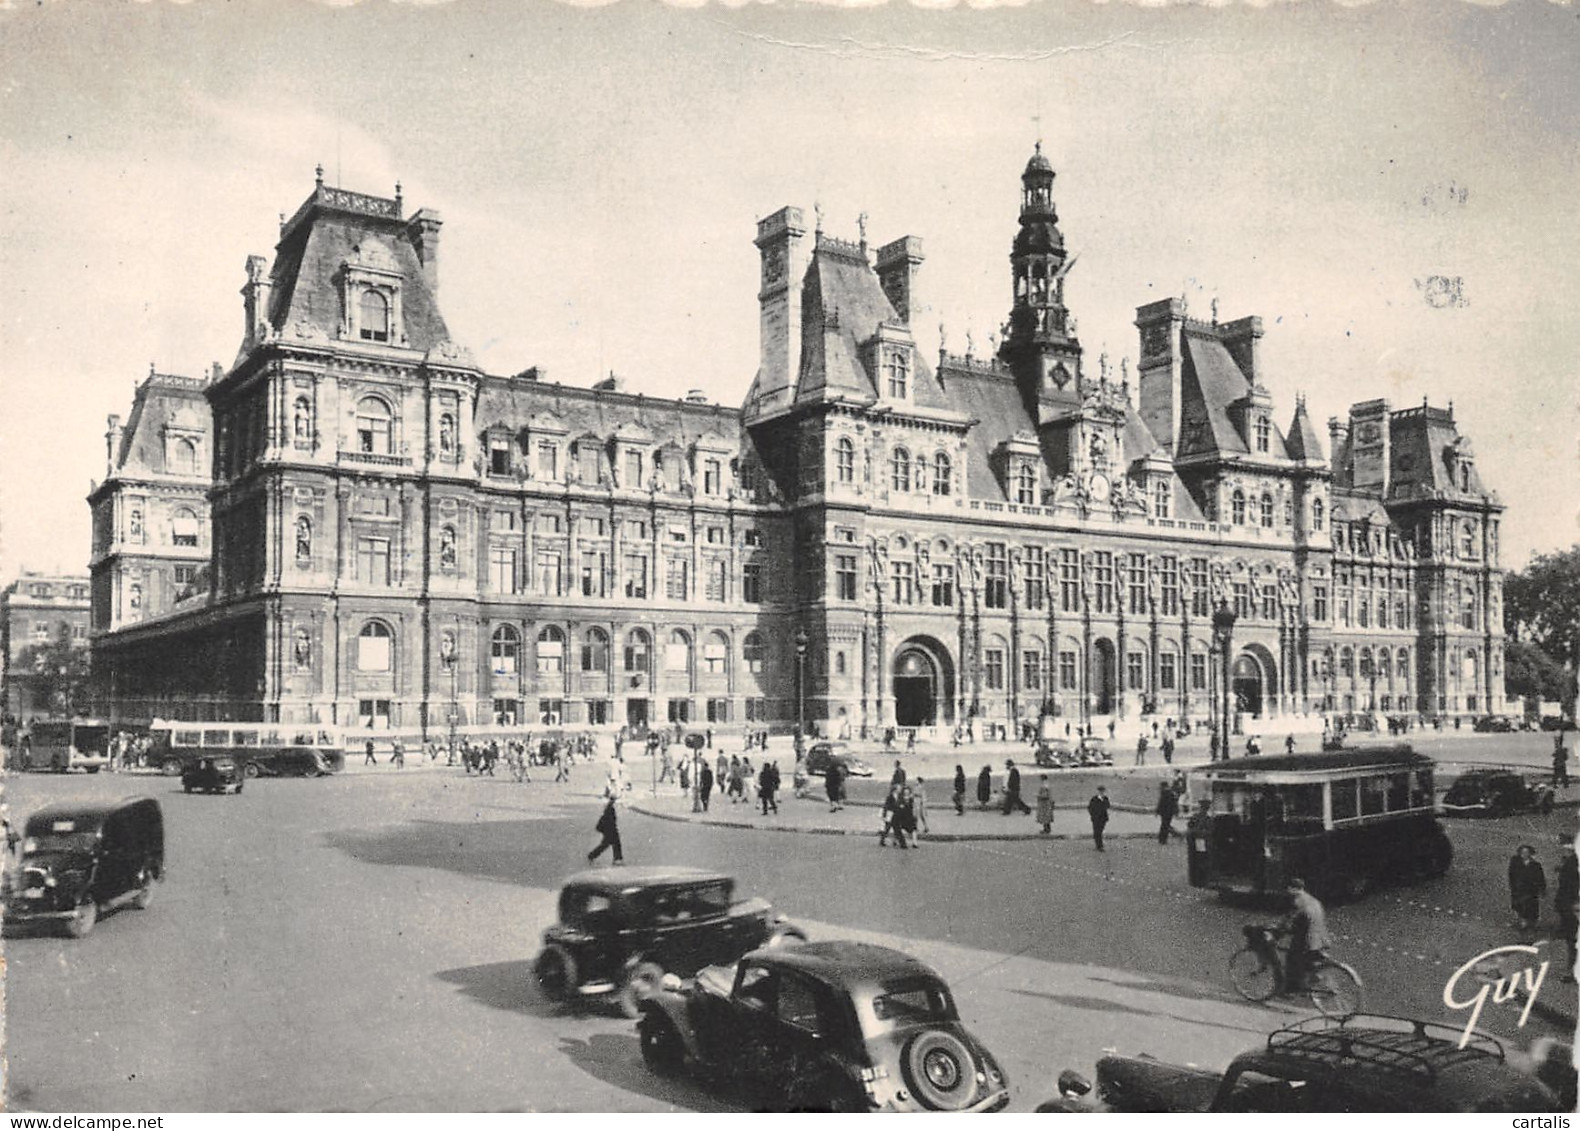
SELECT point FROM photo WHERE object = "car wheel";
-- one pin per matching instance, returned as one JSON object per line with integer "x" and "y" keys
{"x": 251, "y": 770}
{"x": 555, "y": 972}
{"x": 785, "y": 936}
{"x": 171, "y": 767}
{"x": 80, "y": 925}
{"x": 145, "y": 890}
{"x": 663, "y": 1051}
{"x": 939, "y": 1070}
{"x": 641, "y": 980}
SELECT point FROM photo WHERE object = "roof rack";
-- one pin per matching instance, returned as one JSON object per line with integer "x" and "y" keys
{"x": 1379, "y": 1040}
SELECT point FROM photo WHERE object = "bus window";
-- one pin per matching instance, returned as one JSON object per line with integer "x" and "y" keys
{"x": 246, "y": 738}
{"x": 186, "y": 738}
{"x": 1399, "y": 791}
{"x": 1373, "y": 794}
{"x": 1344, "y": 805}
{"x": 216, "y": 738}
{"x": 1302, "y": 803}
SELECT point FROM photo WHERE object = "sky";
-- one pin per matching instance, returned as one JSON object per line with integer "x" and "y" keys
{"x": 600, "y": 171}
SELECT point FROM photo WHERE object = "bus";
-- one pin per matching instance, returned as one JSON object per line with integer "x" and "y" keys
{"x": 273, "y": 749}
{"x": 1344, "y": 821}
{"x": 61, "y": 745}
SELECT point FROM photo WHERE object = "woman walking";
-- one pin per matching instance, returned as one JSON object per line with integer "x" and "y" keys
{"x": 1045, "y": 806}
{"x": 985, "y": 786}
{"x": 1527, "y": 885}
{"x": 960, "y": 791}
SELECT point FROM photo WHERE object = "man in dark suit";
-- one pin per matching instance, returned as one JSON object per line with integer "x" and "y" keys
{"x": 1012, "y": 797}
{"x": 1097, "y": 809}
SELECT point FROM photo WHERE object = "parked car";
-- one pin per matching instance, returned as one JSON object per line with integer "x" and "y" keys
{"x": 1494, "y": 724}
{"x": 822, "y": 755}
{"x": 830, "y": 1026}
{"x": 81, "y": 860}
{"x": 1495, "y": 793}
{"x": 1056, "y": 753}
{"x": 1094, "y": 751}
{"x": 620, "y": 932}
{"x": 213, "y": 775}
{"x": 1355, "y": 1064}
{"x": 1556, "y": 722}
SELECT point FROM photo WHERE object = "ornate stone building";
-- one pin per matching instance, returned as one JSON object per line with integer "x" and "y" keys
{"x": 402, "y": 540}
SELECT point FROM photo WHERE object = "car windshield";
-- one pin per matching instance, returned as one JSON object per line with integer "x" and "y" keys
{"x": 51, "y": 842}
{"x": 912, "y": 1003}
{"x": 588, "y": 910}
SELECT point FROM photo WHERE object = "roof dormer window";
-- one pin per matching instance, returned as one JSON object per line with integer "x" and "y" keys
{"x": 1026, "y": 485}
{"x": 897, "y": 367}
{"x": 374, "y": 323}
{"x": 1264, "y": 431}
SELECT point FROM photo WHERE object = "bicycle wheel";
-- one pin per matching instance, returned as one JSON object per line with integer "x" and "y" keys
{"x": 1253, "y": 975}
{"x": 1335, "y": 989}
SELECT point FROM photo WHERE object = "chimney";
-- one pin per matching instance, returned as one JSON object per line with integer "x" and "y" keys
{"x": 1159, "y": 369}
{"x": 112, "y": 442}
{"x": 1242, "y": 338}
{"x": 255, "y": 300}
{"x": 779, "y": 240}
{"x": 897, "y": 266}
{"x": 1369, "y": 443}
{"x": 423, "y": 231}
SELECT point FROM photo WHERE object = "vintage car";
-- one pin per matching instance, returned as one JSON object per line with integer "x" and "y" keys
{"x": 213, "y": 775}
{"x": 831, "y": 1026}
{"x": 1056, "y": 753}
{"x": 1495, "y": 724}
{"x": 621, "y": 931}
{"x": 1094, "y": 751}
{"x": 80, "y": 860}
{"x": 824, "y": 754}
{"x": 1360, "y": 1063}
{"x": 1495, "y": 793}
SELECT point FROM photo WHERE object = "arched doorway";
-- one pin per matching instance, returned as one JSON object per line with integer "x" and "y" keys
{"x": 923, "y": 684}
{"x": 1249, "y": 693}
{"x": 1104, "y": 684}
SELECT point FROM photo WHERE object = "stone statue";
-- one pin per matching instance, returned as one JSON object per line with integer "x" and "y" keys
{"x": 303, "y": 648}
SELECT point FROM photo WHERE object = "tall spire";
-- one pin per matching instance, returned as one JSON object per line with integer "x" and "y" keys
{"x": 1040, "y": 339}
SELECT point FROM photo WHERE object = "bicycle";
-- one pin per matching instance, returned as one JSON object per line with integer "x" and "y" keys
{"x": 1258, "y": 972}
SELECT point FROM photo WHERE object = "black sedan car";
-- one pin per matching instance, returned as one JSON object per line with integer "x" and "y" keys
{"x": 213, "y": 775}
{"x": 825, "y": 754}
{"x": 81, "y": 860}
{"x": 1496, "y": 793}
{"x": 833, "y": 1026}
{"x": 621, "y": 931}
{"x": 1325, "y": 1065}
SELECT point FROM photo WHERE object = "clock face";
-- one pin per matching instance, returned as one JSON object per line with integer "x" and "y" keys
{"x": 1099, "y": 488}
{"x": 774, "y": 265}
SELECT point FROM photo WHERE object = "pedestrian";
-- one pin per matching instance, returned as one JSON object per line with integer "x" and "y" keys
{"x": 1168, "y": 805}
{"x": 1045, "y": 805}
{"x": 1113, "y": 728}
{"x": 666, "y": 768}
{"x": 919, "y": 804}
{"x": 799, "y": 775}
{"x": 1560, "y": 762}
{"x": 985, "y": 786}
{"x": 886, "y": 818}
{"x": 705, "y": 783}
{"x": 368, "y": 759}
{"x": 1168, "y": 748}
{"x": 1141, "y": 751}
{"x": 1566, "y": 900}
{"x": 1212, "y": 747}
{"x": 748, "y": 780}
{"x": 905, "y": 817}
{"x": 960, "y": 790}
{"x": 1289, "y": 744}
{"x": 768, "y": 786}
{"x": 721, "y": 773}
{"x": 1527, "y": 885}
{"x": 608, "y": 827}
{"x": 1012, "y": 797}
{"x": 898, "y": 777}
{"x": 398, "y": 754}
{"x": 833, "y": 785}
{"x": 1097, "y": 810}
{"x": 685, "y": 776}
{"x": 910, "y": 742}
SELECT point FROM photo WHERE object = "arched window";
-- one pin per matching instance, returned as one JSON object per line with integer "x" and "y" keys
{"x": 1347, "y": 663}
{"x": 1026, "y": 486}
{"x": 1162, "y": 497}
{"x": 1237, "y": 507}
{"x": 1316, "y": 514}
{"x": 901, "y": 464}
{"x": 186, "y": 457}
{"x": 941, "y": 473}
{"x": 446, "y": 434}
{"x": 373, "y": 426}
{"x": 1264, "y": 431}
{"x": 839, "y": 663}
{"x": 845, "y": 460}
{"x": 375, "y": 311}
{"x": 638, "y": 647}
{"x": 304, "y": 541}
{"x": 752, "y": 653}
{"x": 447, "y": 547}
{"x": 1366, "y": 663}
{"x": 551, "y": 651}
{"x": 595, "y": 651}
{"x": 374, "y": 647}
{"x": 184, "y": 528}
{"x": 899, "y": 369}
{"x": 302, "y": 420}
{"x": 677, "y": 654}
{"x": 1267, "y": 510}
{"x": 1464, "y": 477}
{"x": 1404, "y": 665}
{"x": 1467, "y": 541}
{"x": 1472, "y": 669}
{"x": 716, "y": 654}
{"x": 506, "y": 649}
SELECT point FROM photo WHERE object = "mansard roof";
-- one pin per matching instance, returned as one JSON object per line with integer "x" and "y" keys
{"x": 1212, "y": 383}
{"x": 162, "y": 402}
{"x": 1303, "y": 443}
{"x": 602, "y": 413}
{"x": 1426, "y": 450}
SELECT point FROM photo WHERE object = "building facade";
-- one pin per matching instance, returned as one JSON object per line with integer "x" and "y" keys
{"x": 402, "y": 540}
{"x": 37, "y": 610}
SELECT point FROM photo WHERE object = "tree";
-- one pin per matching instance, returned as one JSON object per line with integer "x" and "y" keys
{"x": 1541, "y": 607}
{"x": 59, "y": 672}
{"x": 1530, "y": 673}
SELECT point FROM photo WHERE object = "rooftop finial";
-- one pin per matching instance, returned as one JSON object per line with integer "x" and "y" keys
{"x": 861, "y": 226}
{"x": 971, "y": 344}
{"x": 1215, "y": 311}
{"x": 318, "y": 175}
{"x": 397, "y": 192}
{"x": 1102, "y": 367}
{"x": 817, "y": 209}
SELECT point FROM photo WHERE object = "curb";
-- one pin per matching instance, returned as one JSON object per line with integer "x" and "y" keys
{"x": 814, "y": 830}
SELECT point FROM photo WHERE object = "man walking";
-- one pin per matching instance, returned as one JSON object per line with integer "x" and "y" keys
{"x": 369, "y": 760}
{"x": 1141, "y": 751}
{"x": 1566, "y": 900}
{"x": 768, "y": 786}
{"x": 1560, "y": 762}
{"x": 833, "y": 785}
{"x": 1168, "y": 806}
{"x": 1012, "y": 797}
{"x": 919, "y": 805}
{"x": 1097, "y": 810}
{"x": 705, "y": 783}
{"x": 608, "y": 827}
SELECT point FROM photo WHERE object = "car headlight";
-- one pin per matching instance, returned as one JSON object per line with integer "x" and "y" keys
{"x": 49, "y": 881}
{"x": 30, "y": 845}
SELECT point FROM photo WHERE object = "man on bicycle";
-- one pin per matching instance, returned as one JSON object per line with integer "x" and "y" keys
{"x": 1307, "y": 925}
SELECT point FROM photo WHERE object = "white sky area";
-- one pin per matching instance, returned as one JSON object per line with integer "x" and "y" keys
{"x": 600, "y": 172}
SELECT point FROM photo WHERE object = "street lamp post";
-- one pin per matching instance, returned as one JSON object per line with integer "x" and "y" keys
{"x": 1223, "y": 619}
{"x": 800, "y": 688}
{"x": 447, "y": 658}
